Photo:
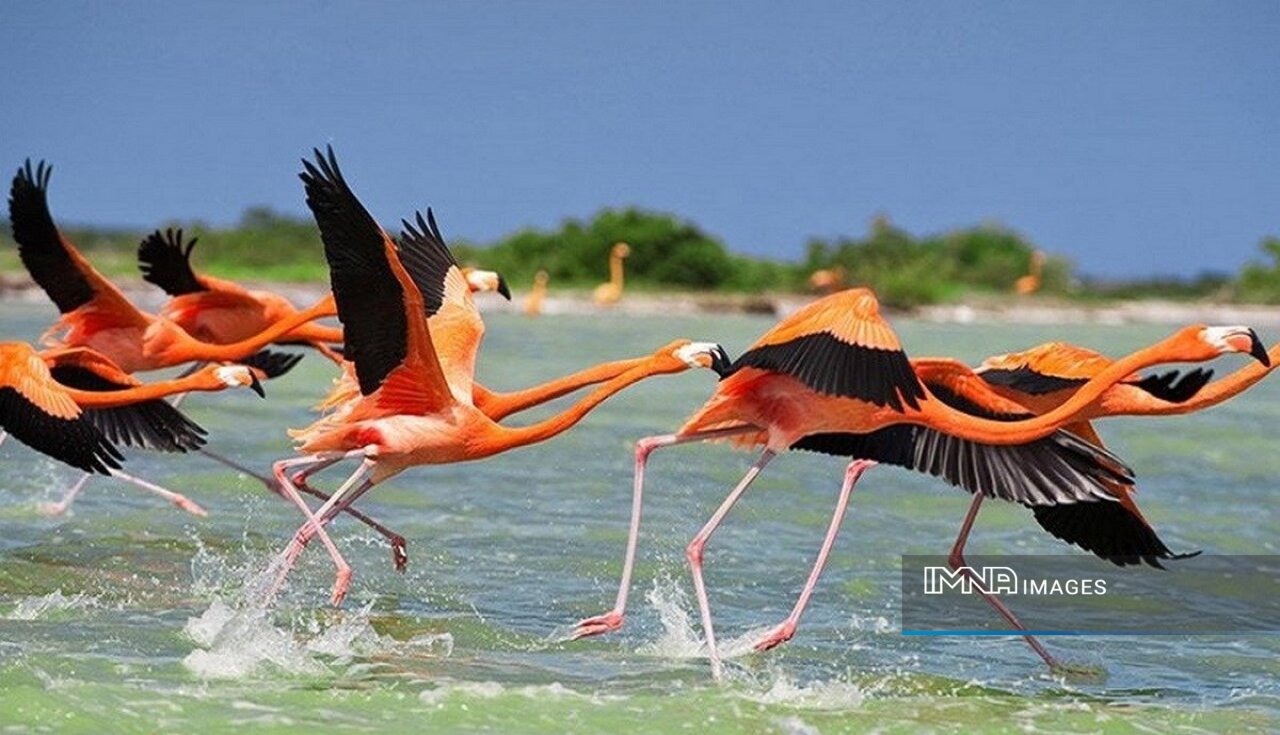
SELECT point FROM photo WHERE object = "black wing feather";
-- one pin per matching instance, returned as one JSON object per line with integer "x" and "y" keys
{"x": 76, "y": 442}
{"x": 166, "y": 263}
{"x": 1174, "y": 389}
{"x": 369, "y": 298}
{"x": 153, "y": 424}
{"x": 273, "y": 364}
{"x": 834, "y": 367}
{"x": 426, "y": 258}
{"x": 1108, "y": 530}
{"x": 1028, "y": 381}
{"x": 1060, "y": 468}
{"x": 39, "y": 244}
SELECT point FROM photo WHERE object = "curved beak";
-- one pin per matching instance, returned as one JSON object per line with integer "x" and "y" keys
{"x": 256, "y": 385}
{"x": 720, "y": 362}
{"x": 502, "y": 288}
{"x": 1258, "y": 351}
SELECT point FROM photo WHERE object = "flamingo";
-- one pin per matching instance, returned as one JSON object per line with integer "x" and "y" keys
{"x": 96, "y": 314}
{"x": 833, "y": 378}
{"x": 537, "y": 294}
{"x": 214, "y": 309}
{"x": 480, "y": 280}
{"x": 75, "y": 405}
{"x": 1030, "y": 283}
{"x": 608, "y": 294}
{"x": 415, "y": 392}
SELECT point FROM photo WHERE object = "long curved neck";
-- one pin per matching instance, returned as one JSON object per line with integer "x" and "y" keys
{"x": 1212, "y": 394}
{"x": 615, "y": 270}
{"x": 146, "y": 392}
{"x": 498, "y": 406}
{"x": 190, "y": 348}
{"x": 944, "y": 418}
{"x": 505, "y": 438}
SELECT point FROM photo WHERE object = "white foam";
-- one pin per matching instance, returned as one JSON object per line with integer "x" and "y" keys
{"x": 34, "y": 608}
{"x": 818, "y": 695}
{"x": 679, "y": 638}
{"x": 436, "y": 696}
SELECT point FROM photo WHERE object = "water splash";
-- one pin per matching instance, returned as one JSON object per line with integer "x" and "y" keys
{"x": 35, "y": 608}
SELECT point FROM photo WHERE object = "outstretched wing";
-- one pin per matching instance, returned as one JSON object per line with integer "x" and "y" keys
{"x": 153, "y": 424}
{"x": 381, "y": 309}
{"x": 1060, "y": 468}
{"x": 841, "y": 346}
{"x": 38, "y": 413}
{"x": 1055, "y": 366}
{"x": 456, "y": 326}
{"x": 165, "y": 262}
{"x": 69, "y": 280}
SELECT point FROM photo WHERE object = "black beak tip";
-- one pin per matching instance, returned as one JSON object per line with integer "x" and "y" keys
{"x": 502, "y": 288}
{"x": 256, "y": 387}
{"x": 1259, "y": 351}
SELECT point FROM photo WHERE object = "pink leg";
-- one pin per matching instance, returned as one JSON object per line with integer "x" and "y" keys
{"x": 177, "y": 499}
{"x": 783, "y": 632}
{"x": 613, "y": 619}
{"x": 60, "y": 507}
{"x": 956, "y": 561}
{"x": 300, "y": 540}
{"x": 693, "y": 552}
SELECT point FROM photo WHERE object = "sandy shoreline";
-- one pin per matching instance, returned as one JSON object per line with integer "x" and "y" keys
{"x": 1012, "y": 311}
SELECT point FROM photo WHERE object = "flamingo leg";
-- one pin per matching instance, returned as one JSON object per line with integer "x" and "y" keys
{"x": 787, "y": 628}
{"x": 177, "y": 499}
{"x": 60, "y": 507}
{"x": 613, "y": 619}
{"x": 271, "y": 485}
{"x": 399, "y": 556}
{"x": 957, "y": 563}
{"x": 299, "y": 540}
{"x": 693, "y": 552}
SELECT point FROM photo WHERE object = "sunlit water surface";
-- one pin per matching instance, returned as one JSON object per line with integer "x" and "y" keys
{"x": 130, "y": 615}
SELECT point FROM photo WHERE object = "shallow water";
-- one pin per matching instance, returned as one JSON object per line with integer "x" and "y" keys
{"x": 130, "y": 615}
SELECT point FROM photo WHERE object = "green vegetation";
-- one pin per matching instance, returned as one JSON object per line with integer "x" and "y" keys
{"x": 669, "y": 253}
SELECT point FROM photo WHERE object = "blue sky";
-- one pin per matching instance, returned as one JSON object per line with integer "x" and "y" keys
{"x": 1134, "y": 137}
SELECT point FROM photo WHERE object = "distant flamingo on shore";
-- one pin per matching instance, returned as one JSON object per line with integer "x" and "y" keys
{"x": 833, "y": 378}
{"x": 610, "y": 293}
{"x": 1030, "y": 283}
{"x": 537, "y": 294}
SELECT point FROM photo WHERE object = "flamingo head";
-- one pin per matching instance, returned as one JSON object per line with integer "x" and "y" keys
{"x": 480, "y": 280}
{"x": 239, "y": 376}
{"x": 1235, "y": 339}
{"x": 620, "y": 250}
{"x": 704, "y": 355}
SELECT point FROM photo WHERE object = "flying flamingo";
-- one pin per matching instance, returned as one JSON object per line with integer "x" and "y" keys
{"x": 833, "y": 378}
{"x": 608, "y": 294}
{"x": 457, "y": 329}
{"x": 1040, "y": 379}
{"x": 96, "y": 314}
{"x": 214, "y": 309}
{"x": 415, "y": 406}
{"x": 76, "y": 406}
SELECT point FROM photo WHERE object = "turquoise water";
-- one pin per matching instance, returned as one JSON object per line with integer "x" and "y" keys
{"x": 129, "y": 615}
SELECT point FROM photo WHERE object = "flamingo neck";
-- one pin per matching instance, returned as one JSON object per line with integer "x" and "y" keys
{"x": 510, "y": 438}
{"x": 939, "y": 415}
{"x": 189, "y": 349}
{"x": 147, "y": 392}
{"x": 615, "y": 270}
{"x": 498, "y": 406}
{"x": 1216, "y": 392}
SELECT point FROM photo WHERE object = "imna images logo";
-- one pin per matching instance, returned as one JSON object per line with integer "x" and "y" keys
{"x": 1003, "y": 581}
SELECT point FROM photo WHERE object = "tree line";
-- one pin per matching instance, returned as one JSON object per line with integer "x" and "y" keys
{"x": 672, "y": 253}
